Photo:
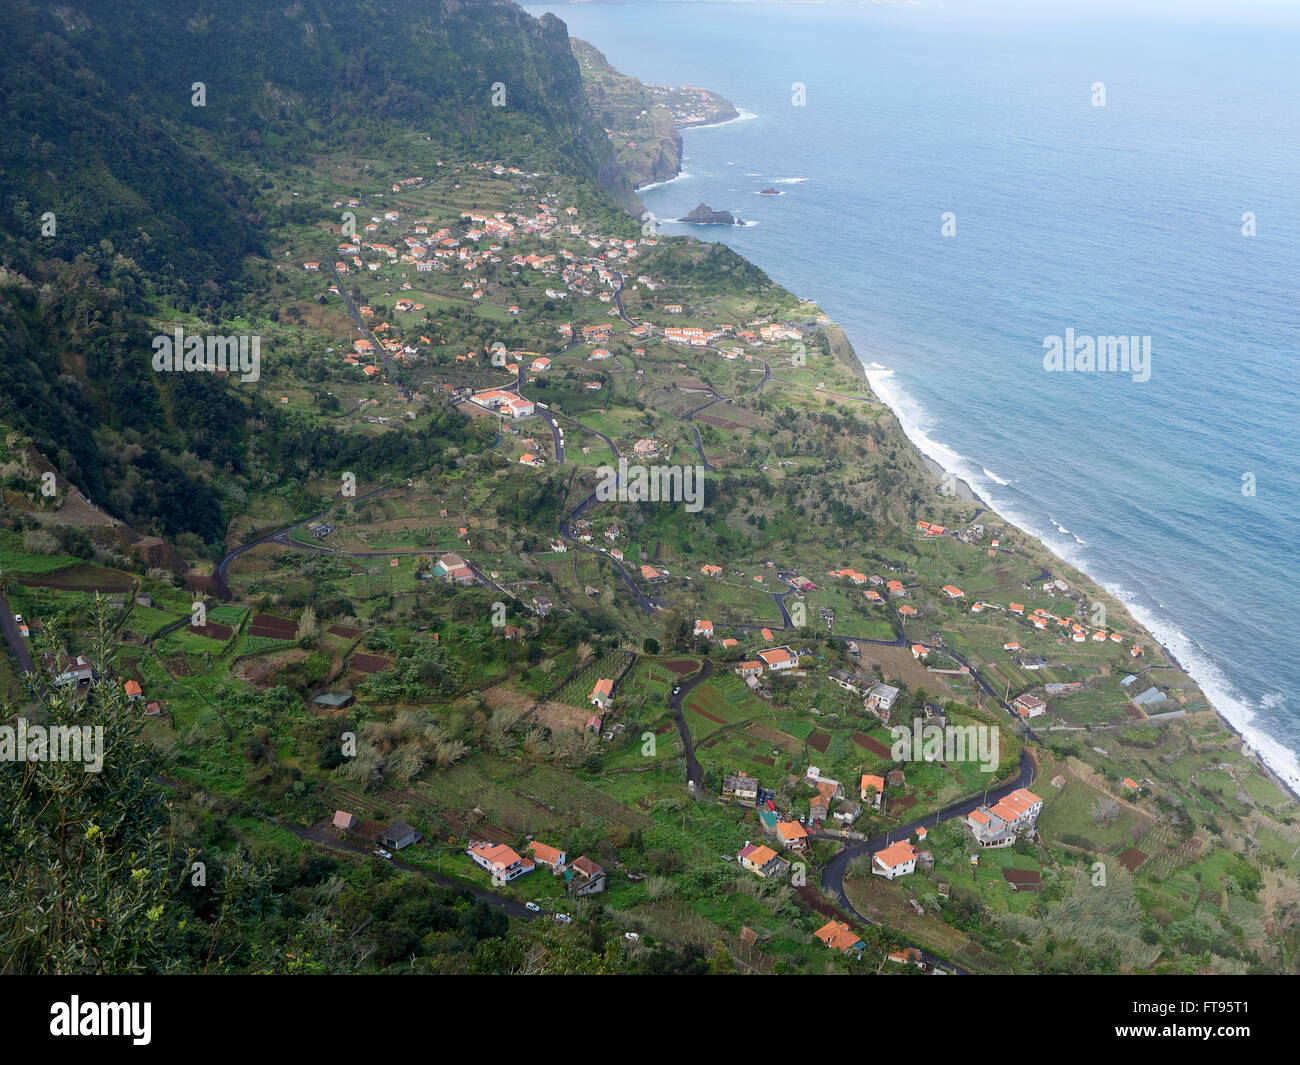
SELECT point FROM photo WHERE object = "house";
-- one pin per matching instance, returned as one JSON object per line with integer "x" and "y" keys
{"x": 1131, "y": 784}
{"x": 133, "y": 691}
{"x": 541, "y": 605}
{"x": 769, "y": 820}
{"x": 882, "y": 699}
{"x": 896, "y": 778}
{"x": 144, "y": 599}
{"x": 988, "y": 829}
{"x": 584, "y": 877}
{"x": 762, "y": 860}
{"x": 333, "y": 700}
{"x": 778, "y": 658}
{"x": 67, "y": 671}
{"x": 499, "y": 860}
{"x": 704, "y": 628}
{"x": 793, "y": 836}
{"x": 996, "y": 825}
{"x": 898, "y": 859}
{"x": 711, "y": 571}
{"x": 344, "y": 821}
{"x": 740, "y": 789}
{"x": 919, "y": 651}
{"x": 529, "y": 459}
{"x": 548, "y": 856}
{"x": 820, "y": 805}
{"x": 540, "y": 364}
{"x": 848, "y": 812}
{"x": 1028, "y": 706}
{"x": 398, "y": 835}
{"x": 602, "y": 694}
{"x": 850, "y": 683}
{"x": 952, "y": 592}
{"x": 871, "y": 789}
{"x": 839, "y": 936}
{"x": 749, "y": 669}
{"x": 153, "y": 709}
{"x": 908, "y": 954}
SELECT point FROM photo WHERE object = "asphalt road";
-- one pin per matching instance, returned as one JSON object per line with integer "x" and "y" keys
{"x": 222, "y": 567}
{"x": 694, "y": 771}
{"x": 833, "y": 874}
{"x": 17, "y": 645}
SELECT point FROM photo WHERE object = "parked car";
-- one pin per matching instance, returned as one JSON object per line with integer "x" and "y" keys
{"x": 564, "y": 918}
{"x": 386, "y": 855}
{"x": 18, "y": 618}
{"x": 532, "y": 906}
{"x": 631, "y": 936}
{"x": 675, "y": 690}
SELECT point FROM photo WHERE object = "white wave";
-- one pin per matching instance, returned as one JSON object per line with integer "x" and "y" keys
{"x": 789, "y": 180}
{"x": 741, "y": 116}
{"x": 660, "y": 184}
{"x": 1235, "y": 708}
{"x": 993, "y": 476}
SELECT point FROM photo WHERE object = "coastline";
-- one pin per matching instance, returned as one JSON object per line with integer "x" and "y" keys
{"x": 965, "y": 491}
{"x": 1278, "y": 762}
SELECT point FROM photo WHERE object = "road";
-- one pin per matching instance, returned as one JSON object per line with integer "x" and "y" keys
{"x": 833, "y": 874}
{"x": 222, "y": 567}
{"x": 17, "y": 645}
{"x": 694, "y": 771}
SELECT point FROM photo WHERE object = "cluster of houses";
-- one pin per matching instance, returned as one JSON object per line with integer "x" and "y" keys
{"x": 581, "y": 877}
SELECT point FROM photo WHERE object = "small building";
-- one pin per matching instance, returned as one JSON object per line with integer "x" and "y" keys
{"x": 602, "y": 694}
{"x": 778, "y": 658}
{"x": 344, "y": 821}
{"x": 839, "y": 936}
{"x": 398, "y": 835}
{"x": 584, "y": 877}
{"x": 499, "y": 860}
{"x": 793, "y": 836}
{"x": 762, "y": 860}
{"x": 548, "y": 856}
{"x": 1029, "y": 706}
{"x": 741, "y": 789}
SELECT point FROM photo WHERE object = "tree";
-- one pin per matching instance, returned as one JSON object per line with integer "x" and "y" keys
{"x": 87, "y": 872}
{"x": 308, "y": 629}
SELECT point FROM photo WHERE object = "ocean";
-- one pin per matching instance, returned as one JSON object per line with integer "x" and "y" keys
{"x": 1169, "y": 211}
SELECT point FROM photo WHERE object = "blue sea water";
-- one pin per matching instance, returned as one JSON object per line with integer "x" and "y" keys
{"x": 1118, "y": 219}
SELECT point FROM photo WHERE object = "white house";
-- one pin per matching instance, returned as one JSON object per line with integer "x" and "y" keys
{"x": 898, "y": 859}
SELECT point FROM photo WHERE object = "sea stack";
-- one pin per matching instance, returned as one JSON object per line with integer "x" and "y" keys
{"x": 705, "y": 215}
